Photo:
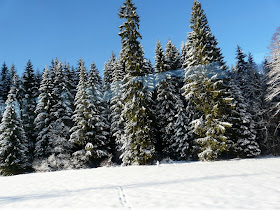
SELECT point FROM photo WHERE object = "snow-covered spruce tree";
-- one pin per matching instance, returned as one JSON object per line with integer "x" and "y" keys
{"x": 241, "y": 64}
{"x": 61, "y": 117}
{"x": 83, "y": 133}
{"x": 53, "y": 121}
{"x": 265, "y": 67}
{"x": 14, "y": 158}
{"x": 108, "y": 72}
{"x": 210, "y": 98}
{"x": 242, "y": 142}
{"x": 62, "y": 98}
{"x": 107, "y": 96}
{"x": 116, "y": 107}
{"x": 5, "y": 82}
{"x": 202, "y": 49}
{"x": 75, "y": 77}
{"x": 13, "y": 71}
{"x": 169, "y": 109}
{"x": 184, "y": 51}
{"x": 172, "y": 56}
{"x": 28, "y": 101}
{"x": 70, "y": 84}
{"x": 160, "y": 60}
{"x": 254, "y": 89}
{"x": 201, "y": 44}
{"x": 172, "y": 120}
{"x": 148, "y": 66}
{"x": 111, "y": 70}
{"x": 138, "y": 139}
{"x": 100, "y": 117}
{"x": 160, "y": 67}
{"x": 38, "y": 78}
{"x": 43, "y": 146}
{"x": 250, "y": 102}
{"x": 272, "y": 95}
{"x": 255, "y": 93}
{"x": 17, "y": 85}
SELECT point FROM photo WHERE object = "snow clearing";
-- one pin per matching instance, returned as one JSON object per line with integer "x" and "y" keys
{"x": 233, "y": 184}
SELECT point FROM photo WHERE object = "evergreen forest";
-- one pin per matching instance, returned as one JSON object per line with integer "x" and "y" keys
{"x": 188, "y": 105}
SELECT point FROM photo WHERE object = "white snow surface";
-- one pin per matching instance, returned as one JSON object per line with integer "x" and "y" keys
{"x": 234, "y": 184}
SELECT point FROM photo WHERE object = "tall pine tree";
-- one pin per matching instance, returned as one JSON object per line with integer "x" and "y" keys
{"x": 28, "y": 101}
{"x": 202, "y": 92}
{"x": 138, "y": 139}
{"x": 43, "y": 146}
{"x": 100, "y": 118}
{"x": 5, "y": 82}
{"x": 14, "y": 158}
{"x": 116, "y": 107}
{"x": 244, "y": 130}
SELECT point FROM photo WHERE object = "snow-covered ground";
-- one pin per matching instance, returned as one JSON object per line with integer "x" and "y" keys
{"x": 235, "y": 184}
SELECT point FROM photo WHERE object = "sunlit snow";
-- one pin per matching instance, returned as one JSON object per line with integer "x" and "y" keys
{"x": 234, "y": 184}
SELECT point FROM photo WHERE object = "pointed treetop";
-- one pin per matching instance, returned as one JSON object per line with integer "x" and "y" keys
{"x": 241, "y": 64}
{"x": 132, "y": 54}
{"x": 201, "y": 44}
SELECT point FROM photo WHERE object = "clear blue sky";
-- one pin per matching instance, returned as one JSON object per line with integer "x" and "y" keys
{"x": 69, "y": 29}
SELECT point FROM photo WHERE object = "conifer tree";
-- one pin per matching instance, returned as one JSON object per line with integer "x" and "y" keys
{"x": 29, "y": 94}
{"x": 6, "y": 78}
{"x": 43, "y": 146}
{"x": 61, "y": 111}
{"x": 241, "y": 64}
{"x": 172, "y": 56}
{"x": 184, "y": 52}
{"x": 245, "y": 123}
{"x": 181, "y": 147}
{"x": 108, "y": 72}
{"x": 205, "y": 95}
{"x": 272, "y": 95}
{"x": 83, "y": 133}
{"x": 211, "y": 101}
{"x": 255, "y": 86}
{"x": 13, "y": 142}
{"x": 63, "y": 97}
{"x": 160, "y": 60}
{"x": 255, "y": 93}
{"x": 75, "y": 77}
{"x": 38, "y": 78}
{"x": 53, "y": 120}
{"x": 17, "y": 85}
{"x": 169, "y": 108}
{"x": 138, "y": 138}
{"x": 110, "y": 94}
{"x": 172, "y": 120}
{"x": 13, "y": 71}
{"x": 116, "y": 106}
{"x": 100, "y": 118}
{"x": 242, "y": 133}
{"x": 148, "y": 66}
{"x": 5, "y": 82}
{"x": 70, "y": 85}
{"x": 201, "y": 44}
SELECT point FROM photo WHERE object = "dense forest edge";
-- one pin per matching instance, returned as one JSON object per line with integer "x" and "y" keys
{"x": 189, "y": 105}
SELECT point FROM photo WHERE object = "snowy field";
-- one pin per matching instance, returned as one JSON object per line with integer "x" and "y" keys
{"x": 235, "y": 184}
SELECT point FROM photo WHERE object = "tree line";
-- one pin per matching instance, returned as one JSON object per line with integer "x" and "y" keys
{"x": 70, "y": 118}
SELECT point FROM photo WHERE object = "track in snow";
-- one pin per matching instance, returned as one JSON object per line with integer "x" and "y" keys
{"x": 122, "y": 197}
